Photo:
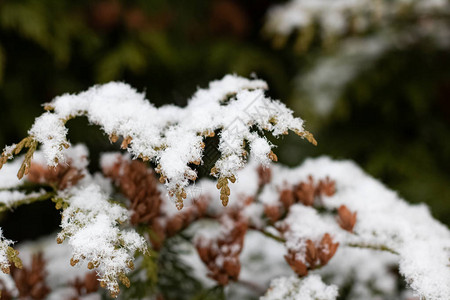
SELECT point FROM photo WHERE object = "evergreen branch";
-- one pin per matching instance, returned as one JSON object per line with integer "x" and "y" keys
{"x": 29, "y": 200}
{"x": 372, "y": 247}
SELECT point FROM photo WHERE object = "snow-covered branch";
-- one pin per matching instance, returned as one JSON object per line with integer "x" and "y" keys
{"x": 338, "y": 18}
{"x": 90, "y": 223}
{"x": 170, "y": 136}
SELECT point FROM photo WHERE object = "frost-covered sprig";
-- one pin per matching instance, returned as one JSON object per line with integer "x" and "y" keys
{"x": 15, "y": 192}
{"x": 8, "y": 255}
{"x": 171, "y": 136}
{"x": 91, "y": 224}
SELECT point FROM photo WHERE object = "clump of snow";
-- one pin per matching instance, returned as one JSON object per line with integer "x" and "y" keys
{"x": 170, "y": 136}
{"x": 294, "y": 288}
{"x": 8, "y": 284}
{"x": 8, "y": 174}
{"x": 49, "y": 130}
{"x": 90, "y": 222}
{"x": 304, "y": 223}
{"x": 366, "y": 273}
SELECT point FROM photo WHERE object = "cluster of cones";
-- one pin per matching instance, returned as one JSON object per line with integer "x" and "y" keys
{"x": 138, "y": 183}
{"x": 221, "y": 255}
{"x": 309, "y": 193}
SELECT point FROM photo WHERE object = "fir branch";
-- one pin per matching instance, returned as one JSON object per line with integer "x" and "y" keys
{"x": 172, "y": 137}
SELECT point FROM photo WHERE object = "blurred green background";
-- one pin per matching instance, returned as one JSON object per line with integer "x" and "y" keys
{"x": 393, "y": 119}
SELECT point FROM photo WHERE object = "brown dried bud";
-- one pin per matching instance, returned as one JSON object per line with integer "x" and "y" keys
{"x": 326, "y": 187}
{"x": 273, "y": 156}
{"x": 73, "y": 261}
{"x": 327, "y": 249}
{"x": 273, "y": 212}
{"x": 297, "y": 265}
{"x": 113, "y": 138}
{"x": 287, "y": 198}
{"x": 315, "y": 256}
{"x": 311, "y": 253}
{"x": 126, "y": 141}
{"x": 265, "y": 175}
{"x": 346, "y": 218}
{"x": 179, "y": 204}
{"x": 305, "y": 192}
{"x": 227, "y": 247}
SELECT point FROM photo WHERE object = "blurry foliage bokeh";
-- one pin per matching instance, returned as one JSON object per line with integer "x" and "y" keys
{"x": 393, "y": 119}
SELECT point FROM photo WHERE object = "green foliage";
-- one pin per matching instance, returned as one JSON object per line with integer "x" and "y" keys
{"x": 165, "y": 273}
{"x": 174, "y": 275}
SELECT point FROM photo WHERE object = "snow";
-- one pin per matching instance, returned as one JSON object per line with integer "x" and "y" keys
{"x": 293, "y": 288}
{"x": 8, "y": 174}
{"x": 416, "y": 243}
{"x": 365, "y": 272}
{"x": 90, "y": 223}
{"x": 4, "y": 245}
{"x": 305, "y": 223}
{"x": 8, "y": 284}
{"x": 49, "y": 130}
{"x": 11, "y": 198}
{"x": 59, "y": 273}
